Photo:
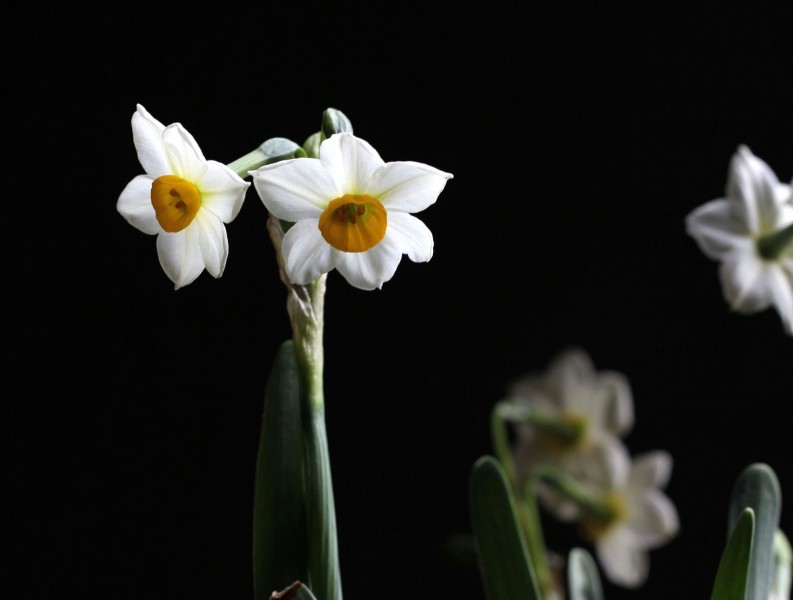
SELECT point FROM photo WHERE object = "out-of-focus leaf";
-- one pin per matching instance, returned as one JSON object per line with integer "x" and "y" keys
{"x": 583, "y": 578}
{"x": 503, "y": 559}
{"x": 732, "y": 575}
{"x": 757, "y": 488}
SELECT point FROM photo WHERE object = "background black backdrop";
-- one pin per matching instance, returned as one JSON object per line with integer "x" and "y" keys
{"x": 579, "y": 138}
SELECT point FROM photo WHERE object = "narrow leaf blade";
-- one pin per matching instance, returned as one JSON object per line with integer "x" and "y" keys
{"x": 583, "y": 578}
{"x": 279, "y": 519}
{"x": 733, "y": 573}
{"x": 757, "y": 488}
{"x": 501, "y": 550}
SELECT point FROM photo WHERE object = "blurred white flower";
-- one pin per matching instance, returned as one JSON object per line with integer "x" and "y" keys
{"x": 351, "y": 211}
{"x": 747, "y": 232}
{"x": 573, "y": 411}
{"x": 183, "y": 199}
{"x": 642, "y": 515}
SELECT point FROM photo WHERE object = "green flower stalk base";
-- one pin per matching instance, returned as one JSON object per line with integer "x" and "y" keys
{"x": 295, "y": 519}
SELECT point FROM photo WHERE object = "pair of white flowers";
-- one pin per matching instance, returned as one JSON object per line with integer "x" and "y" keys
{"x": 749, "y": 232}
{"x": 350, "y": 210}
{"x": 582, "y": 416}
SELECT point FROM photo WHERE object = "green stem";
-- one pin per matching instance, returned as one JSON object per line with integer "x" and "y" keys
{"x": 525, "y": 502}
{"x": 250, "y": 162}
{"x": 305, "y": 306}
{"x": 568, "y": 430}
{"x": 771, "y": 246}
{"x": 591, "y": 504}
{"x": 529, "y": 519}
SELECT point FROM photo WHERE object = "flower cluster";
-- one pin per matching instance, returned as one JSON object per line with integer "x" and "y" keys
{"x": 749, "y": 231}
{"x": 569, "y": 450}
{"x": 346, "y": 209}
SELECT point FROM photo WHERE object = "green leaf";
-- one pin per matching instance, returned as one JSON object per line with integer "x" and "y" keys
{"x": 783, "y": 561}
{"x": 277, "y": 149}
{"x": 324, "y": 571}
{"x": 279, "y": 518}
{"x": 757, "y": 488}
{"x": 733, "y": 573}
{"x": 583, "y": 578}
{"x": 501, "y": 550}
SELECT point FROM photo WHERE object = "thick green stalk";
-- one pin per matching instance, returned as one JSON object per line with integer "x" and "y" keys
{"x": 305, "y": 306}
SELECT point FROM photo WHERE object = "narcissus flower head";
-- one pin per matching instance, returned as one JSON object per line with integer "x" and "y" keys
{"x": 183, "y": 199}
{"x": 749, "y": 232}
{"x": 641, "y": 516}
{"x": 574, "y": 411}
{"x": 350, "y": 211}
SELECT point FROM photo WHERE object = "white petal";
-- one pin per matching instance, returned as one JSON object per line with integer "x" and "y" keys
{"x": 408, "y": 186}
{"x": 783, "y": 194}
{"x": 306, "y": 253}
{"x": 184, "y": 155}
{"x": 134, "y": 204}
{"x": 752, "y": 188}
{"x": 180, "y": 255}
{"x": 715, "y": 229}
{"x": 295, "y": 189}
{"x": 651, "y": 469}
{"x": 351, "y": 161}
{"x": 781, "y": 289}
{"x": 623, "y": 564}
{"x": 222, "y": 191}
{"x": 213, "y": 242}
{"x": 532, "y": 393}
{"x": 611, "y": 463}
{"x": 618, "y": 415}
{"x": 743, "y": 281}
{"x": 147, "y": 136}
{"x": 411, "y": 236}
{"x": 371, "y": 269}
{"x": 652, "y": 520}
{"x": 569, "y": 370}
{"x": 785, "y": 213}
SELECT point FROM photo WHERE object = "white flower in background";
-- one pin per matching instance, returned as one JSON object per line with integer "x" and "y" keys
{"x": 183, "y": 198}
{"x": 573, "y": 412}
{"x": 642, "y": 517}
{"x": 351, "y": 211}
{"x": 746, "y": 232}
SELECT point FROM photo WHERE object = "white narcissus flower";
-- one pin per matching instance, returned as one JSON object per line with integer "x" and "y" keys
{"x": 744, "y": 232}
{"x": 183, "y": 199}
{"x": 574, "y": 410}
{"x": 642, "y": 515}
{"x": 351, "y": 211}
